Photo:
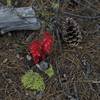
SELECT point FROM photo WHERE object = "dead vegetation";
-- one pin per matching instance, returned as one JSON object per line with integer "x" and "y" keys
{"x": 77, "y": 69}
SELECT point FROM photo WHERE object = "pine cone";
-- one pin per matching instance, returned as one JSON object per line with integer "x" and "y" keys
{"x": 70, "y": 31}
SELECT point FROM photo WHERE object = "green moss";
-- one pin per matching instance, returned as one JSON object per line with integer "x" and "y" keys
{"x": 33, "y": 81}
{"x": 50, "y": 71}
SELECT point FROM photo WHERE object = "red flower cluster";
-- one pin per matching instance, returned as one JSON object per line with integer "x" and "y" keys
{"x": 39, "y": 49}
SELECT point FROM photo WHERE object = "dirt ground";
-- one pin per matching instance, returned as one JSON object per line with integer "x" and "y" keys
{"x": 79, "y": 68}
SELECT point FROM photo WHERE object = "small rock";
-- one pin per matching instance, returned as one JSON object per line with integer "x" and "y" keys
{"x": 18, "y": 56}
{"x": 28, "y": 57}
{"x": 26, "y": 93}
{"x": 2, "y": 32}
{"x": 9, "y": 34}
{"x": 44, "y": 65}
{"x": 64, "y": 75}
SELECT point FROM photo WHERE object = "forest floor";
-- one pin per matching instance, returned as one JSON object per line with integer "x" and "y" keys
{"x": 80, "y": 82}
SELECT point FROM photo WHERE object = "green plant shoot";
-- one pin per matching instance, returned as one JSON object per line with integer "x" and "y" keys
{"x": 50, "y": 71}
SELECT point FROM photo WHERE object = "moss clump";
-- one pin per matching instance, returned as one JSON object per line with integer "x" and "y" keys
{"x": 32, "y": 80}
